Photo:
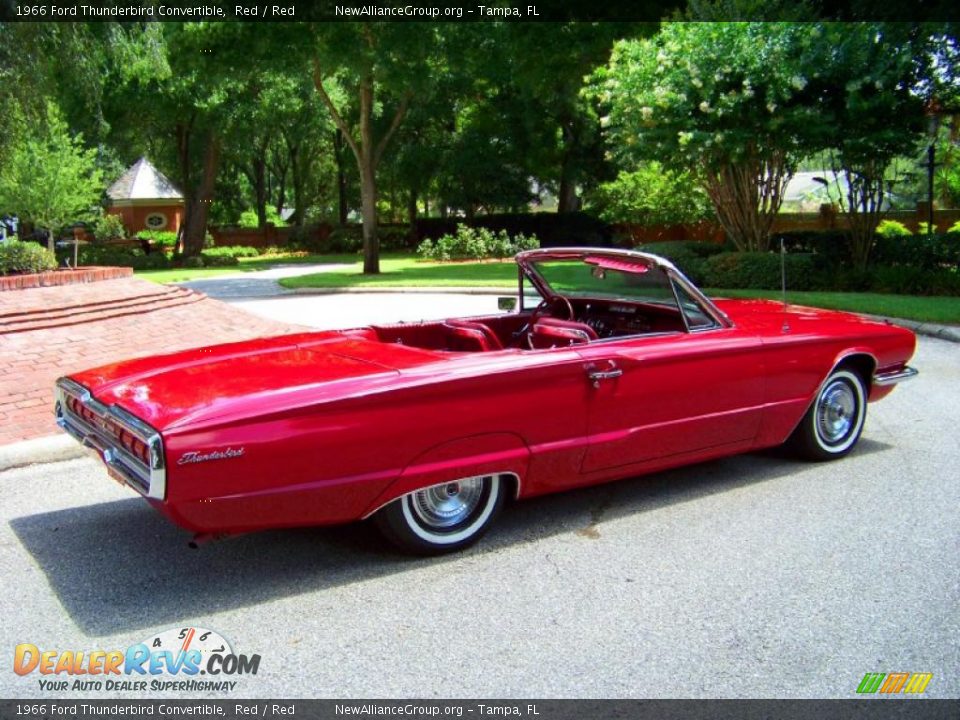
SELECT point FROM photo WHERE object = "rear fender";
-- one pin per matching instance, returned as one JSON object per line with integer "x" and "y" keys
{"x": 486, "y": 454}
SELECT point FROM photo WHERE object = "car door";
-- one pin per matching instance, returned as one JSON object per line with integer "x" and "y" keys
{"x": 655, "y": 397}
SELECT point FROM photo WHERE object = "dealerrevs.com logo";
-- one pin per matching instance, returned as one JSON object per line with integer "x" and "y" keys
{"x": 187, "y": 659}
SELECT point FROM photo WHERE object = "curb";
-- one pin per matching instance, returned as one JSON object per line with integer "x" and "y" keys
{"x": 950, "y": 333}
{"x": 52, "y": 448}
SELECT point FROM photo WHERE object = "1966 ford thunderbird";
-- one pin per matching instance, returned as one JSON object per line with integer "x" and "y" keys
{"x": 619, "y": 367}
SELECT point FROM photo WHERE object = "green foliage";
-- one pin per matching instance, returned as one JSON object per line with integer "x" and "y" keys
{"x": 475, "y": 243}
{"x": 109, "y": 227}
{"x": 651, "y": 195}
{"x": 120, "y": 257}
{"x": 49, "y": 178}
{"x": 926, "y": 228}
{"x": 955, "y": 228}
{"x": 234, "y": 251}
{"x": 221, "y": 257}
{"x": 688, "y": 256}
{"x": 249, "y": 219}
{"x": 25, "y": 257}
{"x": 926, "y": 252}
{"x": 757, "y": 270}
{"x": 349, "y": 239}
{"x": 159, "y": 238}
{"x": 892, "y": 228}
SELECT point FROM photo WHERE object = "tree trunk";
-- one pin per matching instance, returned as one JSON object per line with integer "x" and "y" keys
{"x": 412, "y": 207}
{"x": 567, "y": 199}
{"x": 259, "y": 178}
{"x": 51, "y": 243}
{"x": 296, "y": 169}
{"x": 341, "y": 177}
{"x": 368, "y": 212}
{"x": 196, "y": 226}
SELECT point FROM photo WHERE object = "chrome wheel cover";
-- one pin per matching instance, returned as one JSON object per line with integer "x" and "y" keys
{"x": 836, "y": 412}
{"x": 446, "y": 506}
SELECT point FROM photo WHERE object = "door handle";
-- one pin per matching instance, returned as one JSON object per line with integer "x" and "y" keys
{"x": 596, "y": 375}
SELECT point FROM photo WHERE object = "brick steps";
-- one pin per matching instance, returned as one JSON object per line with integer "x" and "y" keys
{"x": 43, "y": 319}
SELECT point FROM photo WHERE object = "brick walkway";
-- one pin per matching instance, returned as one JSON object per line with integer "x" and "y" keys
{"x": 52, "y": 331}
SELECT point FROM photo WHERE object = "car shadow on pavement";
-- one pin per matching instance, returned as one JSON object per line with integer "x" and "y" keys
{"x": 120, "y": 566}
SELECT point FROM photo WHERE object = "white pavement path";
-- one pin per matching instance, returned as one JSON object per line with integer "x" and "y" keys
{"x": 262, "y": 283}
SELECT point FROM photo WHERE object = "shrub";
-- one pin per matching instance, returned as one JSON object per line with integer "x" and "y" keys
{"x": 195, "y": 261}
{"x": 955, "y": 228}
{"x": 475, "y": 243}
{"x": 652, "y": 195}
{"x": 25, "y": 257}
{"x": 159, "y": 238}
{"x": 552, "y": 229}
{"x": 758, "y": 270}
{"x": 689, "y": 256}
{"x": 343, "y": 239}
{"x": 249, "y": 219}
{"x": 109, "y": 227}
{"x": 927, "y": 252}
{"x": 120, "y": 257}
{"x": 892, "y": 228}
{"x": 234, "y": 251}
{"x": 212, "y": 258}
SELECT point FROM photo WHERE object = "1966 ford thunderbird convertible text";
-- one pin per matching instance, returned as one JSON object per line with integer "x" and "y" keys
{"x": 619, "y": 367}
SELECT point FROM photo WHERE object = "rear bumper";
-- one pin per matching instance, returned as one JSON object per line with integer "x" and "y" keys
{"x": 98, "y": 431}
{"x": 893, "y": 377}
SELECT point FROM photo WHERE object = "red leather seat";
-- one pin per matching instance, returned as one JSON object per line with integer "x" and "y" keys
{"x": 469, "y": 335}
{"x": 553, "y": 332}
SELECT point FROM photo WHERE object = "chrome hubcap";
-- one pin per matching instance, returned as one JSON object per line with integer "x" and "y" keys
{"x": 837, "y": 411}
{"x": 444, "y": 506}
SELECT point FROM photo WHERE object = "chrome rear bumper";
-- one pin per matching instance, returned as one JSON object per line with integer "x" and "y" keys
{"x": 100, "y": 434}
{"x": 893, "y": 377}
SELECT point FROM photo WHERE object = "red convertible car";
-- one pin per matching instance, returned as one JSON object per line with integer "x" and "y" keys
{"x": 622, "y": 367}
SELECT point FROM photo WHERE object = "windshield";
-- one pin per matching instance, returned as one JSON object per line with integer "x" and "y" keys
{"x": 597, "y": 278}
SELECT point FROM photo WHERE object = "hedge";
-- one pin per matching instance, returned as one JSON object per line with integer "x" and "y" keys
{"x": 552, "y": 229}
{"x": 25, "y": 257}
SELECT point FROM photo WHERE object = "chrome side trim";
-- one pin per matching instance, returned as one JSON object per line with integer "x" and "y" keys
{"x": 893, "y": 377}
{"x": 149, "y": 480}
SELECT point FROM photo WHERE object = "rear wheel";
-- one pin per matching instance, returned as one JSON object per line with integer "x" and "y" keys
{"x": 832, "y": 425}
{"x": 443, "y": 518}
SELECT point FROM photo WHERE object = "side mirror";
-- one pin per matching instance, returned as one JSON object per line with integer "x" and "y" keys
{"x": 507, "y": 304}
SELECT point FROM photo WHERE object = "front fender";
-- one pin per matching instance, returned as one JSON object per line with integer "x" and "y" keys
{"x": 485, "y": 454}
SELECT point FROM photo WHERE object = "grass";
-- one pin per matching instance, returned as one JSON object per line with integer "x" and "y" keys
{"x": 922, "y": 308}
{"x": 407, "y": 271}
{"x": 246, "y": 265}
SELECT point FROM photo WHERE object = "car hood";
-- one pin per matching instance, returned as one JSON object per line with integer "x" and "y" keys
{"x": 236, "y": 380}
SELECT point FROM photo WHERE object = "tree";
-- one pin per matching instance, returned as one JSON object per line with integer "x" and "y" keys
{"x": 381, "y": 66}
{"x": 49, "y": 178}
{"x": 723, "y": 101}
{"x": 866, "y": 90}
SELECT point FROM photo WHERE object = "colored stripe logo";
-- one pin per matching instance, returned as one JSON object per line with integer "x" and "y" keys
{"x": 894, "y": 683}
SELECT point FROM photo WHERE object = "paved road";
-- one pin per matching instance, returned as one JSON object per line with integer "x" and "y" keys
{"x": 755, "y": 576}
{"x": 260, "y": 283}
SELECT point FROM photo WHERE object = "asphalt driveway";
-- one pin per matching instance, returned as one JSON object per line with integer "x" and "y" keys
{"x": 755, "y": 576}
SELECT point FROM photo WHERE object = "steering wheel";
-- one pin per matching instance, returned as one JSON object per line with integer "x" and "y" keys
{"x": 546, "y": 304}
{"x": 539, "y": 311}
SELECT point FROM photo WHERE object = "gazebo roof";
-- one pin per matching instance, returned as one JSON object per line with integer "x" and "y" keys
{"x": 142, "y": 181}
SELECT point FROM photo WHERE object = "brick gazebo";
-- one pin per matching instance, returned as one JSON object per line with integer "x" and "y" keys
{"x": 145, "y": 199}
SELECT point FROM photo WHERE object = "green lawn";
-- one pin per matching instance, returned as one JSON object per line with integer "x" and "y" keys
{"x": 246, "y": 265}
{"x": 406, "y": 271}
{"x": 912, "y": 307}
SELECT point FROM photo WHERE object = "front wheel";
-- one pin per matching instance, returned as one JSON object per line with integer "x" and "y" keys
{"x": 832, "y": 425}
{"x": 443, "y": 518}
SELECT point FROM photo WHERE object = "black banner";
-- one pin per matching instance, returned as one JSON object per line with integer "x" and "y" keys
{"x": 879, "y": 709}
{"x": 442, "y": 10}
